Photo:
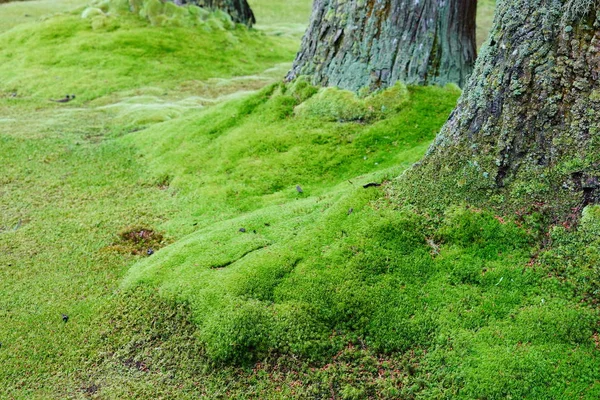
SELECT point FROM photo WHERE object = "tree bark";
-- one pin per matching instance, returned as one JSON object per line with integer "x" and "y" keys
{"x": 527, "y": 127}
{"x": 374, "y": 43}
{"x": 239, "y": 10}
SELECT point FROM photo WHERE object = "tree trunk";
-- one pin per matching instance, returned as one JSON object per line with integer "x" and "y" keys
{"x": 374, "y": 43}
{"x": 239, "y": 10}
{"x": 527, "y": 127}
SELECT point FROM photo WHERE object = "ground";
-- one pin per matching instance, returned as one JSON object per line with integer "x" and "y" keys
{"x": 208, "y": 233}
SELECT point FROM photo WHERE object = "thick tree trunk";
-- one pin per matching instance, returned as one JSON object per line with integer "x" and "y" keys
{"x": 239, "y": 10}
{"x": 527, "y": 127}
{"x": 374, "y": 43}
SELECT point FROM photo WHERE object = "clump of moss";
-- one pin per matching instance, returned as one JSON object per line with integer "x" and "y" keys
{"x": 574, "y": 256}
{"x": 371, "y": 278}
{"x": 160, "y": 13}
{"x": 92, "y": 12}
{"x": 266, "y": 150}
{"x": 333, "y": 104}
{"x": 386, "y": 102}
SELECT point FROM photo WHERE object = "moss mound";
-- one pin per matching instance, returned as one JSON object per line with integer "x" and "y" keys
{"x": 110, "y": 51}
{"x": 288, "y": 278}
{"x": 266, "y": 149}
{"x": 333, "y": 104}
{"x": 160, "y": 13}
{"x": 304, "y": 276}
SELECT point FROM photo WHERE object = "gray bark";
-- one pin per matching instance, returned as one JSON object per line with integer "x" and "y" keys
{"x": 239, "y": 10}
{"x": 374, "y": 43}
{"x": 527, "y": 127}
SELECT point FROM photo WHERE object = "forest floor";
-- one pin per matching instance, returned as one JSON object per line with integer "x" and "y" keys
{"x": 190, "y": 227}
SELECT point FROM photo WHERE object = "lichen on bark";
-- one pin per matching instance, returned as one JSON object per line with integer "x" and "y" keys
{"x": 375, "y": 43}
{"x": 527, "y": 127}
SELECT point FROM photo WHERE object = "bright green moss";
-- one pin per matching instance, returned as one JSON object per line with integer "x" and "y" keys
{"x": 332, "y": 104}
{"x": 388, "y": 101}
{"x": 338, "y": 291}
{"x": 267, "y": 150}
{"x": 92, "y": 12}
{"x": 160, "y": 13}
{"x": 104, "y": 54}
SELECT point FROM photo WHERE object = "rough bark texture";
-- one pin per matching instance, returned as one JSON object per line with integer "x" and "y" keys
{"x": 239, "y": 10}
{"x": 374, "y": 43}
{"x": 527, "y": 127}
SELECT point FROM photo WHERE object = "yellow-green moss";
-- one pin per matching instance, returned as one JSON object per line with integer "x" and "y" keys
{"x": 333, "y": 104}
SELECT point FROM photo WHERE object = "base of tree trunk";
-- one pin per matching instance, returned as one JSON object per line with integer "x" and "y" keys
{"x": 356, "y": 44}
{"x": 525, "y": 136}
{"x": 239, "y": 10}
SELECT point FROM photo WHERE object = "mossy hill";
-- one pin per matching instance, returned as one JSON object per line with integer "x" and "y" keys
{"x": 211, "y": 232}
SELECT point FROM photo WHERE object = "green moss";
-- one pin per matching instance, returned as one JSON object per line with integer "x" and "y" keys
{"x": 92, "y": 12}
{"x": 122, "y": 52}
{"x": 266, "y": 150}
{"x": 339, "y": 291}
{"x": 332, "y": 104}
{"x": 168, "y": 14}
{"x": 386, "y": 102}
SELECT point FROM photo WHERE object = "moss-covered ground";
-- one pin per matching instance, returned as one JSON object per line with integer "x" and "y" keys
{"x": 206, "y": 232}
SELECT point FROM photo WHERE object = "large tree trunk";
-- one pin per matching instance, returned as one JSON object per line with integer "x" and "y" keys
{"x": 527, "y": 127}
{"x": 374, "y": 43}
{"x": 239, "y": 10}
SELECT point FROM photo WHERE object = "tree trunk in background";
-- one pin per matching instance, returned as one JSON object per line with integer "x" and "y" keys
{"x": 239, "y": 10}
{"x": 374, "y": 43}
{"x": 527, "y": 127}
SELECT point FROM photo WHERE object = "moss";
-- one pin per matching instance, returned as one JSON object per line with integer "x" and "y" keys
{"x": 160, "y": 13}
{"x": 199, "y": 13}
{"x": 332, "y": 104}
{"x": 92, "y": 12}
{"x": 339, "y": 291}
{"x": 389, "y": 101}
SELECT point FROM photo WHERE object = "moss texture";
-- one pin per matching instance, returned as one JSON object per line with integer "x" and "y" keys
{"x": 264, "y": 291}
{"x": 159, "y": 13}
